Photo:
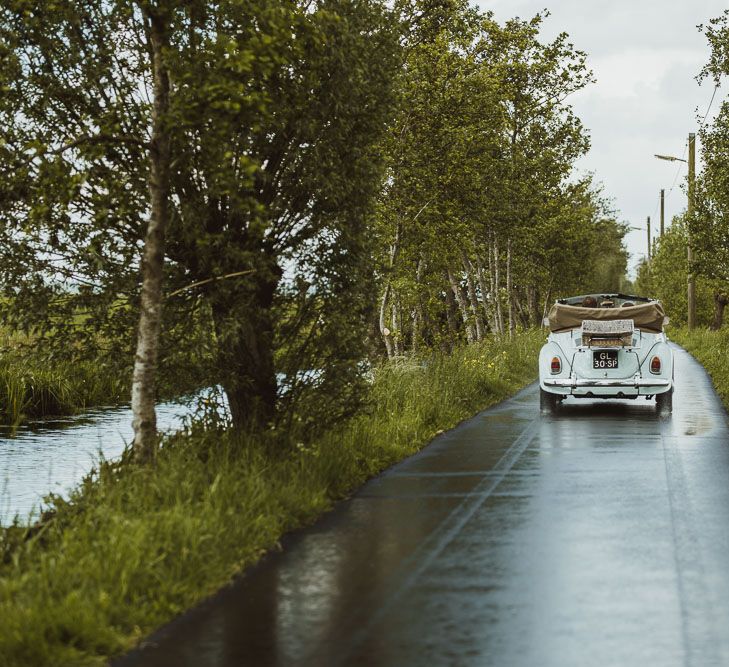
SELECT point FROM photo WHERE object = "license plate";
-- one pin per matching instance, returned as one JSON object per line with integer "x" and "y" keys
{"x": 605, "y": 359}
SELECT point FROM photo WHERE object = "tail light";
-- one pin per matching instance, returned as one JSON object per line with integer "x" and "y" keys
{"x": 556, "y": 365}
{"x": 655, "y": 365}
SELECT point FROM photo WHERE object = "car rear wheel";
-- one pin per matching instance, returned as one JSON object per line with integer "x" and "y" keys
{"x": 547, "y": 402}
{"x": 664, "y": 402}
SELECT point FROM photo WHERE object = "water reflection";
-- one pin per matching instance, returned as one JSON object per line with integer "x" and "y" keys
{"x": 53, "y": 455}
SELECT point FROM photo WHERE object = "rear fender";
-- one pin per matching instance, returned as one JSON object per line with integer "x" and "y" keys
{"x": 549, "y": 350}
{"x": 663, "y": 351}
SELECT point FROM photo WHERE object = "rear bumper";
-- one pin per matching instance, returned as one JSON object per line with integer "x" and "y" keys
{"x": 634, "y": 383}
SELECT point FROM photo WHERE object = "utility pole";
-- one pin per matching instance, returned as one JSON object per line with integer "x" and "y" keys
{"x": 691, "y": 291}
{"x": 663, "y": 209}
{"x": 648, "y": 229}
{"x": 690, "y": 252}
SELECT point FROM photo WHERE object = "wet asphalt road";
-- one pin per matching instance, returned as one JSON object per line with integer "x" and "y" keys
{"x": 599, "y": 536}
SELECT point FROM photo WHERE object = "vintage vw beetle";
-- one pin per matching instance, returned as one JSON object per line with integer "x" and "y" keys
{"x": 606, "y": 346}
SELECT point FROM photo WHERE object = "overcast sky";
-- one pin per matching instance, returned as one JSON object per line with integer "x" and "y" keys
{"x": 645, "y": 55}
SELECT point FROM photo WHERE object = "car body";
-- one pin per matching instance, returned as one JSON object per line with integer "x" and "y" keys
{"x": 613, "y": 347}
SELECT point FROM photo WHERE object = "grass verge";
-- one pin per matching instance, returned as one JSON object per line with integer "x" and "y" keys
{"x": 134, "y": 547}
{"x": 710, "y": 349}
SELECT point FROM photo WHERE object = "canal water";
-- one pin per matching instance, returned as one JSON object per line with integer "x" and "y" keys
{"x": 53, "y": 455}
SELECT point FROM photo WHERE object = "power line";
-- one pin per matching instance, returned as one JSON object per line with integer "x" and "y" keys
{"x": 713, "y": 95}
{"x": 683, "y": 155}
{"x": 680, "y": 166}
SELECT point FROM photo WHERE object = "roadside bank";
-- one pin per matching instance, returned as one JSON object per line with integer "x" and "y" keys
{"x": 711, "y": 349}
{"x": 131, "y": 548}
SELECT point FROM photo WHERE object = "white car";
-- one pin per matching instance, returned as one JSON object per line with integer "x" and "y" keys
{"x": 606, "y": 346}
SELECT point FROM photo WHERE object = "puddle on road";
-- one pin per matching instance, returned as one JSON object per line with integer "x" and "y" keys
{"x": 695, "y": 424}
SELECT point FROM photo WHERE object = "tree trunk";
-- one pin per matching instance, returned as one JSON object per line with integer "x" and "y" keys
{"x": 416, "y": 324}
{"x": 245, "y": 345}
{"x": 252, "y": 391}
{"x": 546, "y": 303}
{"x": 144, "y": 418}
{"x": 720, "y": 301}
{"x": 397, "y": 324}
{"x": 418, "y": 314}
{"x": 509, "y": 290}
{"x": 462, "y": 306}
{"x": 472, "y": 297}
{"x": 450, "y": 317}
{"x": 486, "y": 295}
{"x": 523, "y": 314}
{"x": 384, "y": 330}
{"x": 535, "y": 314}
{"x": 497, "y": 288}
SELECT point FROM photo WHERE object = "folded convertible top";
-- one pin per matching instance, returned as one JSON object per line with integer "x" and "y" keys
{"x": 647, "y": 316}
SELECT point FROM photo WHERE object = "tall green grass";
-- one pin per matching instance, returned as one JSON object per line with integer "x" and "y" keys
{"x": 711, "y": 348}
{"x": 34, "y": 383}
{"x": 31, "y": 389}
{"x": 133, "y": 547}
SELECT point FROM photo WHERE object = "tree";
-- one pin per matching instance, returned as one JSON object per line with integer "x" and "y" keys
{"x": 480, "y": 206}
{"x": 274, "y": 112}
{"x": 608, "y": 257}
{"x": 709, "y": 225}
{"x": 68, "y": 126}
{"x": 665, "y": 276}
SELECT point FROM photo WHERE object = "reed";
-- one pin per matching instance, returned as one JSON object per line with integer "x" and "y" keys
{"x": 30, "y": 389}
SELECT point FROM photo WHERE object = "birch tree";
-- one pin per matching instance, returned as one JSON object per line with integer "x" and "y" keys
{"x": 480, "y": 162}
{"x": 71, "y": 78}
{"x": 157, "y": 26}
